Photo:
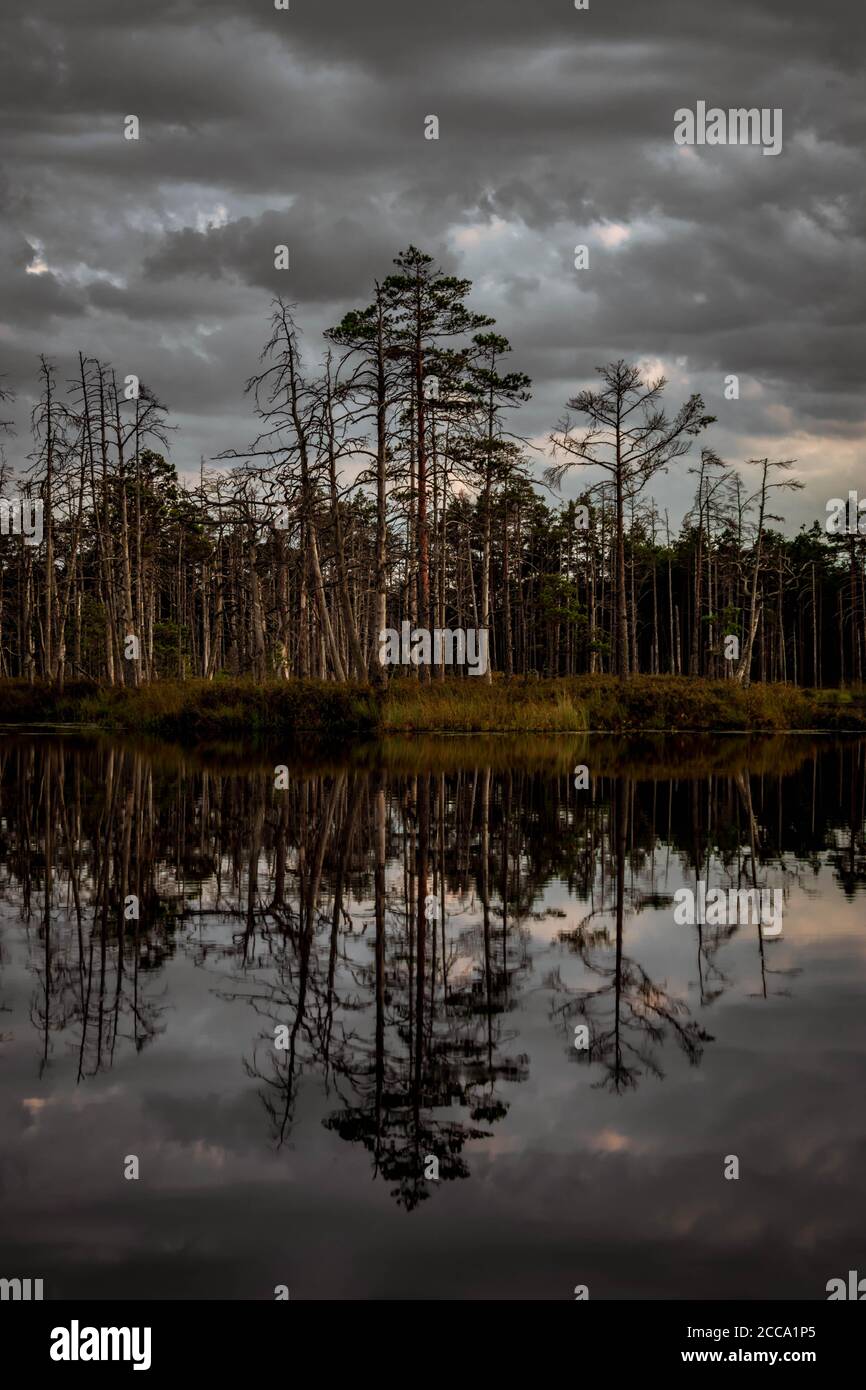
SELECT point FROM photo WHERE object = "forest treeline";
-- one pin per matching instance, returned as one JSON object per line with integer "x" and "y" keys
{"x": 391, "y": 485}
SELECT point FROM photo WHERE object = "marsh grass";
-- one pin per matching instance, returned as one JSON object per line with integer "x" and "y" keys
{"x": 471, "y": 706}
{"x": 197, "y": 708}
{"x": 230, "y": 708}
{"x": 607, "y": 705}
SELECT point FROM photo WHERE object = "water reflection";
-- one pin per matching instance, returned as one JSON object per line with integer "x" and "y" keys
{"x": 301, "y": 917}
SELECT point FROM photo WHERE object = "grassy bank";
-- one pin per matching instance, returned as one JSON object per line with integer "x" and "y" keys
{"x": 197, "y": 708}
{"x": 232, "y": 708}
{"x": 604, "y": 704}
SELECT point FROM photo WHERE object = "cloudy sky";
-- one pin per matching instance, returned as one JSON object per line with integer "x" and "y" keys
{"x": 306, "y": 127}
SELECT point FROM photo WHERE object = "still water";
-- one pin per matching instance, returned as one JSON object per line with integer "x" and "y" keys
{"x": 427, "y": 929}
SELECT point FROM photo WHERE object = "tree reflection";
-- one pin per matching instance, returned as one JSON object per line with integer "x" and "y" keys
{"x": 382, "y": 911}
{"x": 628, "y": 1014}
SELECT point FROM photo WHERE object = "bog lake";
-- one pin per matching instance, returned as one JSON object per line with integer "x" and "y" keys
{"x": 415, "y": 1018}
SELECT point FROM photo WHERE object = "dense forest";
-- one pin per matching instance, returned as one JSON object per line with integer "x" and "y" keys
{"x": 391, "y": 485}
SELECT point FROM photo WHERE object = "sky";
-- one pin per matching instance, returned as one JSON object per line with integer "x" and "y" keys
{"x": 306, "y": 127}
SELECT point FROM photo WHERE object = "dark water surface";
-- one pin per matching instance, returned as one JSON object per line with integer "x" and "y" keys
{"x": 409, "y": 1040}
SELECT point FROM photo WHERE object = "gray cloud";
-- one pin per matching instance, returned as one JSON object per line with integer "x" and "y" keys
{"x": 260, "y": 127}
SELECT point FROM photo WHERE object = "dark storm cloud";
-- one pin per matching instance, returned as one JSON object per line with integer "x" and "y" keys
{"x": 334, "y": 255}
{"x": 305, "y": 127}
{"x": 27, "y": 298}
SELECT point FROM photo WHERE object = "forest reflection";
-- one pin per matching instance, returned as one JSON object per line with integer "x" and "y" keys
{"x": 309, "y": 906}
